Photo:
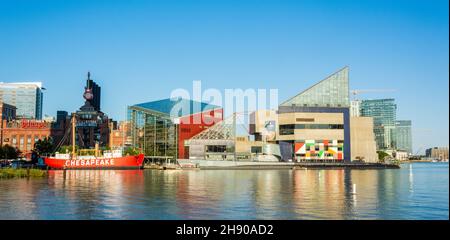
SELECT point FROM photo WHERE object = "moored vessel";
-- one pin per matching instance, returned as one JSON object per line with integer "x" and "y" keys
{"x": 110, "y": 160}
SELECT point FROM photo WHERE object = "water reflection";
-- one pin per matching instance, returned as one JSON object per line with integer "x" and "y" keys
{"x": 226, "y": 194}
{"x": 411, "y": 179}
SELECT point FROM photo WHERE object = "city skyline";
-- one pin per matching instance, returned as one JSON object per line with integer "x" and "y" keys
{"x": 130, "y": 56}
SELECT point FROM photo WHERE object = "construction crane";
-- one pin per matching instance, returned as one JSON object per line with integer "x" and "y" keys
{"x": 359, "y": 91}
{"x": 417, "y": 152}
{"x": 416, "y": 156}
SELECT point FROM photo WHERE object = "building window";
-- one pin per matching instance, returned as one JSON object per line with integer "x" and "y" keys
{"x": 14, "y": 141}
{"x": 29, "y": 142}
{"x": 256, "y": 149}
{"x": 288, "y": 129}
{"x": 216, "y": 148}
{"x": 21, "y": 142}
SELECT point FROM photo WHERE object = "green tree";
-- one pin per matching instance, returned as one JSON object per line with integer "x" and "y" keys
{"x": 382, "y": 155}
{"x": 44, "y": 146}
{"x": 66, "y": 149}
{"x": 9, "y": 152}
{"x": 131, "y": 151}
{"x": 106, "y": 148}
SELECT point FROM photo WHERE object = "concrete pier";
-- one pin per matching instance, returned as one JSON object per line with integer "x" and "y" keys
{"x": 215, "y": 164}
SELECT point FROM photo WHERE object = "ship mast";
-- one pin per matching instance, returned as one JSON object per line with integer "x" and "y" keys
{"x": 73, "y": 135}
{"x": 111, "y": 135}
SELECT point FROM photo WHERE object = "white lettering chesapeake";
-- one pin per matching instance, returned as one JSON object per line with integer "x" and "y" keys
{"x": 91, "y": 162}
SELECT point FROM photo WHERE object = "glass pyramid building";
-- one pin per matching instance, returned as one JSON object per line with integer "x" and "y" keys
{"x": 333, "y": 91}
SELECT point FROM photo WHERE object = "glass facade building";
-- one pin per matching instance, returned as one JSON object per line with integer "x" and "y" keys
{"x": 384, "y": 116}
{"x": 153, "y": 132}
{"x": 158, "y": 127}
{"x": 403, "y": 135}
{"x": 26, "y": 97}
{"x": 333, "y": 91}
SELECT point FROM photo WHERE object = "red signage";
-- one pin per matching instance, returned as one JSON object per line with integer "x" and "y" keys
{"x": 33, "y": 124}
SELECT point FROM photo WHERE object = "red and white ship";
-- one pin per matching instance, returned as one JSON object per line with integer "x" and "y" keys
{"x": 109, "y": 160}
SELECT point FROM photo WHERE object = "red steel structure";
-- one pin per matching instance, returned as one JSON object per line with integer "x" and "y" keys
{"x": 194, "y": 124}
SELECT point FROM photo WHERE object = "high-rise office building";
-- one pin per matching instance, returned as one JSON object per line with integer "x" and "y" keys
{"x": 27, "y": 97}
{"x": 355, "y": 108}
{"x": 61, "y": 116}
{"x": 384, "y": 115}
{"x": 403, "y": 137}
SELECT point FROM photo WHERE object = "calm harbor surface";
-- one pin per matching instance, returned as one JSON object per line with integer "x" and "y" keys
{"x": 416, "y": 191}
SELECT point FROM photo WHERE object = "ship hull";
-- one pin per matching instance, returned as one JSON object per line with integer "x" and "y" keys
{"x": 128, "y": 162}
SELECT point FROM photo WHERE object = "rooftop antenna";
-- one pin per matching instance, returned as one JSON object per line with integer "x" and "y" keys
{"x": 88, "y": 86}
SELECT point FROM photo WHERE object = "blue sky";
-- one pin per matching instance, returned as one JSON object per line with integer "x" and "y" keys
{"x": 141, "y": 50}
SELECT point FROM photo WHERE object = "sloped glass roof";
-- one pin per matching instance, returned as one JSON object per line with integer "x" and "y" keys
{"x": 333, "y": 91}
{"x": 223, "y": 130}
{"x": 181, "y": 107}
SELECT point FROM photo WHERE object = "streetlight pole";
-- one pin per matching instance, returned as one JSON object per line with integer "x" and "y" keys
{"x": 234, "y": 136}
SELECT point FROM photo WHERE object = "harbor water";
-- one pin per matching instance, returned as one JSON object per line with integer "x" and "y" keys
{"x": 416, "y": 191}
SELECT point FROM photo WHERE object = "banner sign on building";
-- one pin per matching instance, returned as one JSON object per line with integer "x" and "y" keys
{"x": 269, "y": 130}
{"x": 87, "y": 123}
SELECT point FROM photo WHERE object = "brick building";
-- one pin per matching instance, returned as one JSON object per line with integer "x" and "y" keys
{"x": 121, "y": 135}
{"x": 24, "y": 133}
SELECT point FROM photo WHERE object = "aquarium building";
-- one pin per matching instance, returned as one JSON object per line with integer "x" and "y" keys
{"x": 315, "y": 125}
{"x": 160, "y": 128}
